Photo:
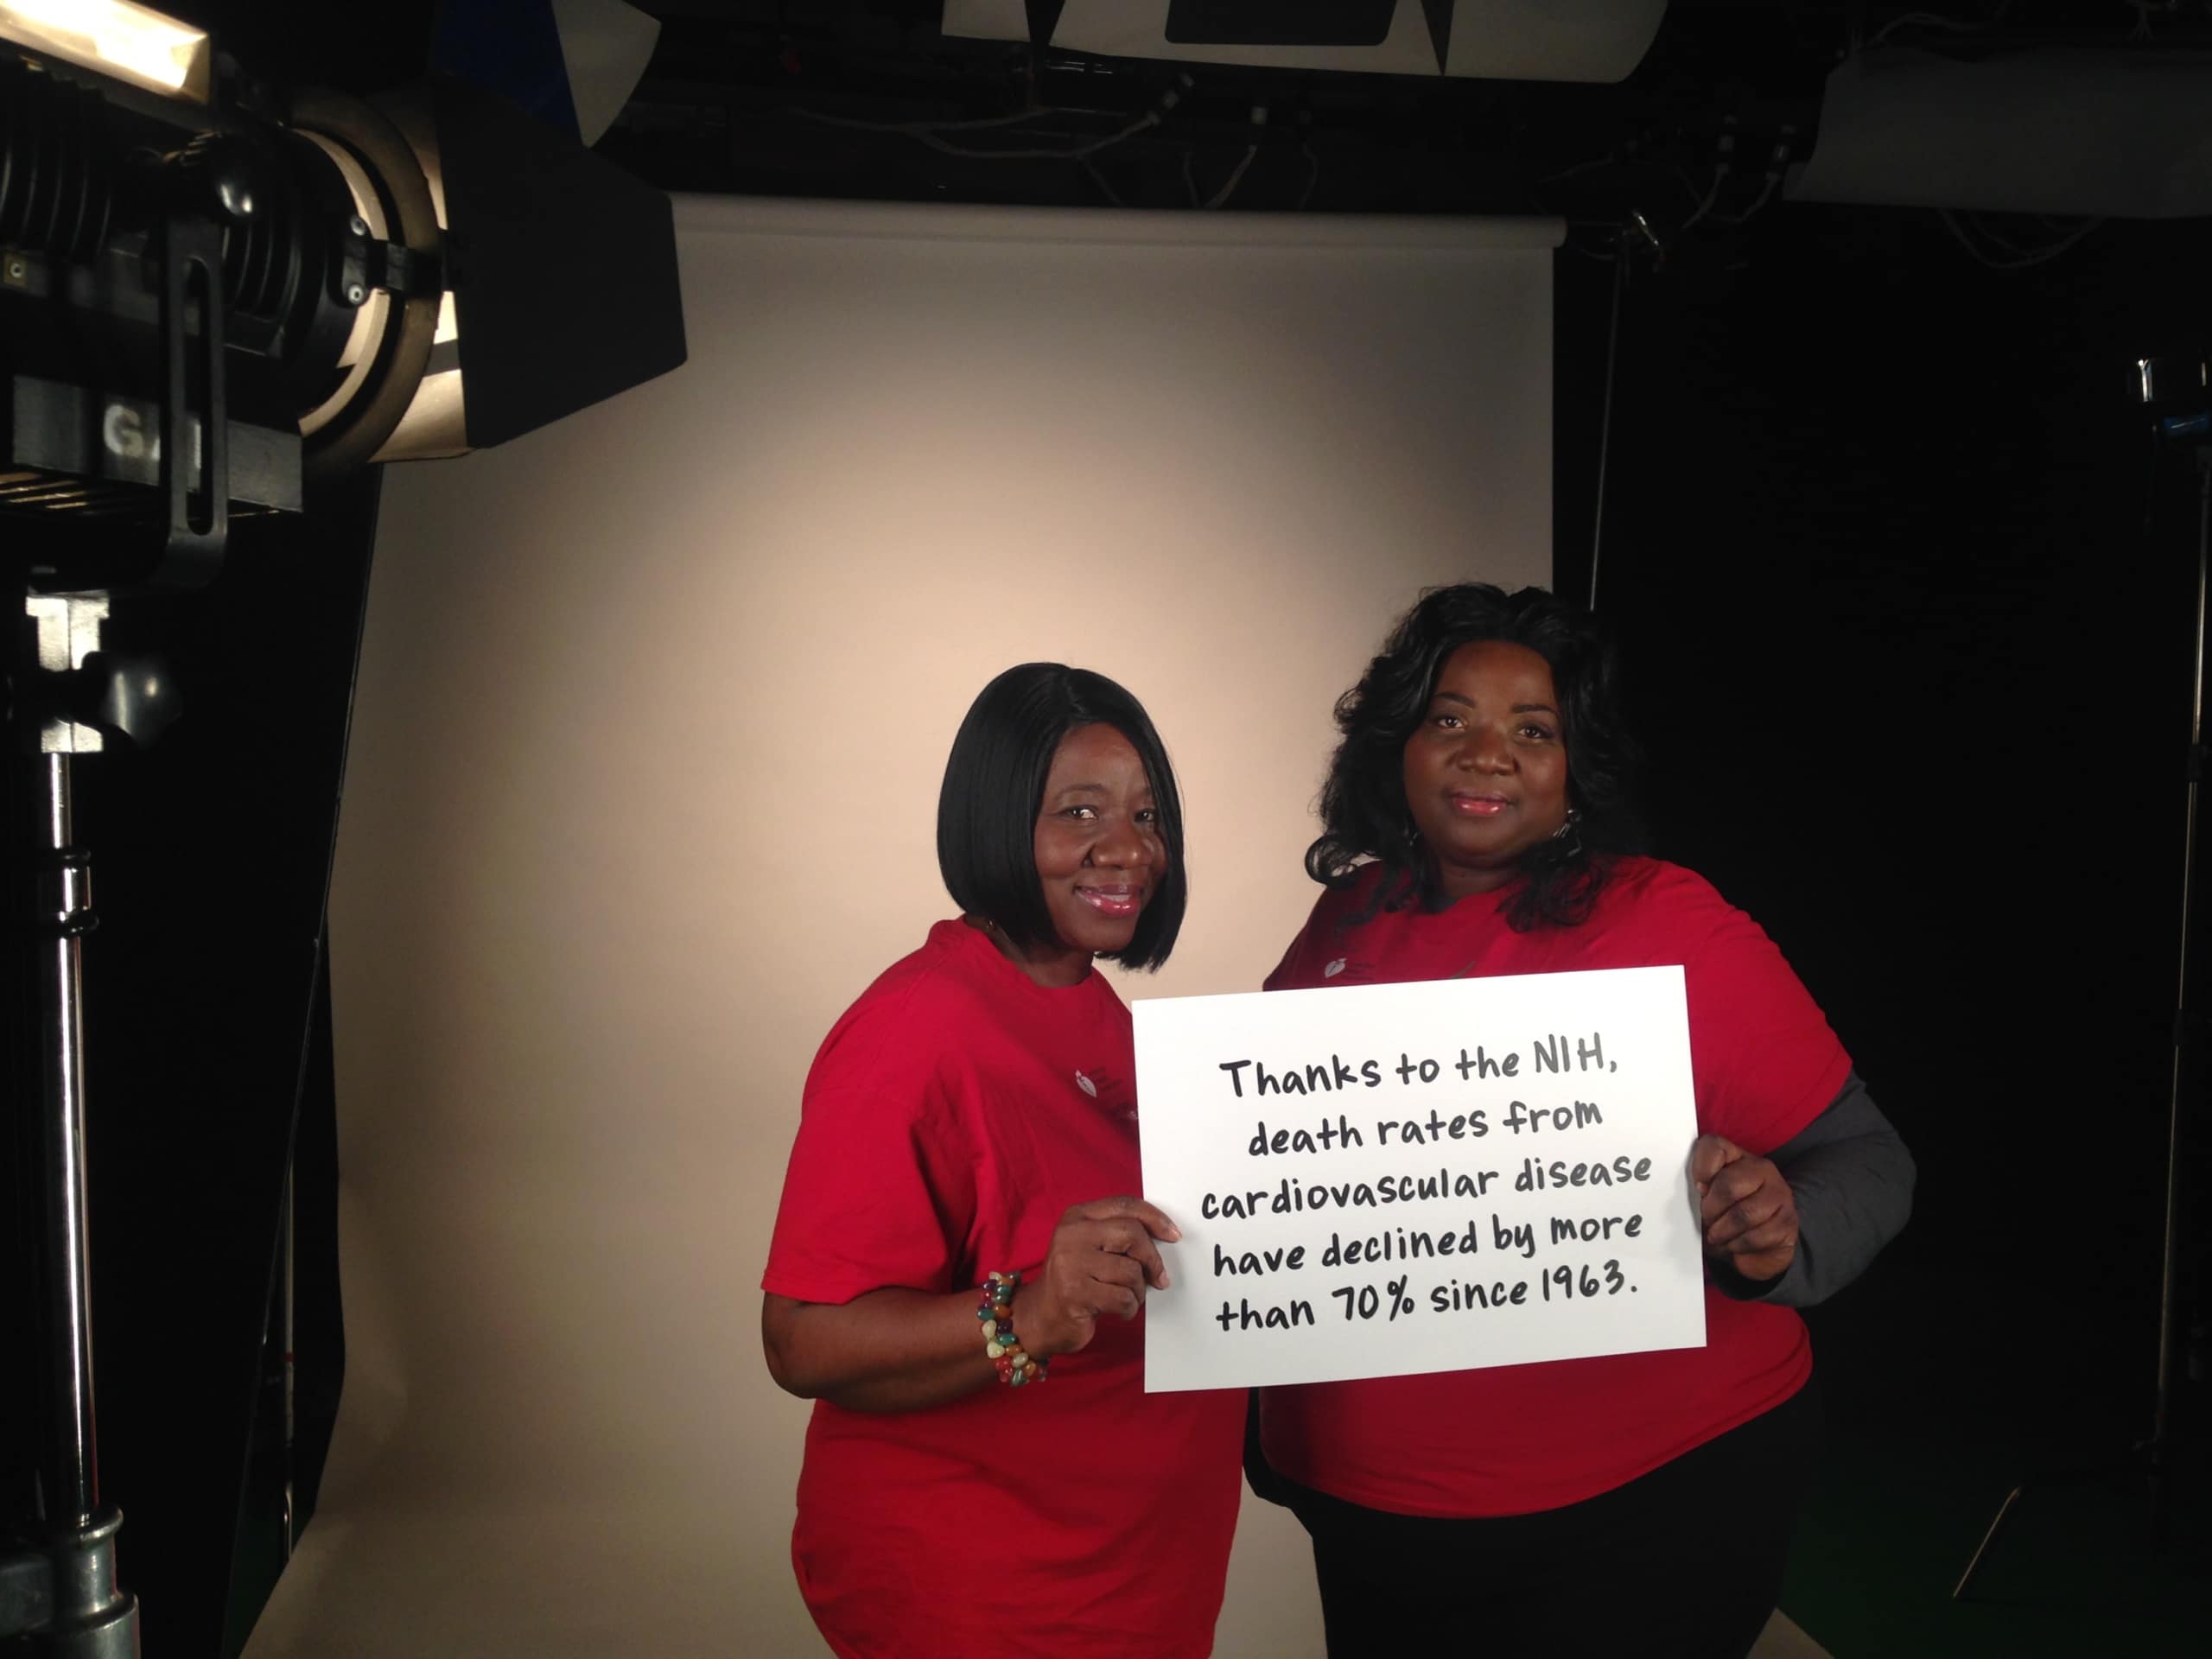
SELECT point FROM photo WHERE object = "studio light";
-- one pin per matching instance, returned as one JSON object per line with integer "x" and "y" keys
{"x": 205, "y": 305}
{"x": 132, "y": 43}
{"x": 2110, "y": 132}
{"x": 1495, "y": 40}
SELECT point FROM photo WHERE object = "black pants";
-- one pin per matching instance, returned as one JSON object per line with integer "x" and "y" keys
{"x": 1684, "y": 1563}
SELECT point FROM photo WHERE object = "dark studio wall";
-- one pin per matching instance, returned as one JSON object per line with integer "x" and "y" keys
{"x": 1907, "y": 609}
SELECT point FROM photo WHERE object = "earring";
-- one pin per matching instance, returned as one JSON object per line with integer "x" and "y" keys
{"x": 1567, "y": 837}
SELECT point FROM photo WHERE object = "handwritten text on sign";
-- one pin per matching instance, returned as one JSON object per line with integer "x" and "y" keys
{"x": 1377, "y": 1180}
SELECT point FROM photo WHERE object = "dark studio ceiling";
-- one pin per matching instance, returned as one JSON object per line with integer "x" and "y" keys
{"x": 843, "y": 99}
{"x": 823, "y": 97}
{"x": 751, "y": 97}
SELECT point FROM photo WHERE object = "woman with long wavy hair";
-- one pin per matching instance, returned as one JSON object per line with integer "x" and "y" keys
{"x": 1474, "y": 822}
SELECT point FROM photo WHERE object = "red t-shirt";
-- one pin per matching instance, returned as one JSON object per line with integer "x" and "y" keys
{"x": 953, "y": 1115}
{"x": 1514, "y": 1439}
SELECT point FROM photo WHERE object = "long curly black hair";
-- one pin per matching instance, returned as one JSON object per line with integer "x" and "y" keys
{"x": 1363, "y": 811}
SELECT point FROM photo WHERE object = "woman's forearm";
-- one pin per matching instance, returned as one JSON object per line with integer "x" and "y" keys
{"x": 1852, "y": 1178}
{"x": 897, "y": 1349}
{"x": 890, "y": 1350}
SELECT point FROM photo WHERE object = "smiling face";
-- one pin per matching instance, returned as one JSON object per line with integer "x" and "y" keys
{"x": 1485, "y": 771}
{"x": 1100, "y": 858}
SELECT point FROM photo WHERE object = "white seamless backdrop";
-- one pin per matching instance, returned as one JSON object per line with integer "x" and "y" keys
{"x": 652, "y": 707}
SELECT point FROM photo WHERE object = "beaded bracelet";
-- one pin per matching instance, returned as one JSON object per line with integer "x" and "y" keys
{"x": 1015, "y": 1367}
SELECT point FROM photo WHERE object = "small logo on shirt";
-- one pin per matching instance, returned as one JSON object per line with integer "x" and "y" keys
{"x": 1333, "y": 969}
{"x": 1107, "y": 1092}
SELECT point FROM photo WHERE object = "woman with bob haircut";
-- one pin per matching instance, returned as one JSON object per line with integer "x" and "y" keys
{"x": 952, "y": 1281}
{"x": 1472, "y": 823}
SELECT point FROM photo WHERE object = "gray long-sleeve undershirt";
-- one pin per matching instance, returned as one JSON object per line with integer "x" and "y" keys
{"x": 1852, "y": 1177}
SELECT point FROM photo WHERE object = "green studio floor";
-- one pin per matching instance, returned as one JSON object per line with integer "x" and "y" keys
{"x": 1894, "y": 1517}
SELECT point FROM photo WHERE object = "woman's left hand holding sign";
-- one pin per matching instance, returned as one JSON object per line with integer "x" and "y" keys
{"x": 1746, "y": 1208}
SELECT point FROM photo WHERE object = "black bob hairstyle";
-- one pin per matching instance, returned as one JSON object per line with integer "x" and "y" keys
{"x": 995, "y": 785}
{"x": 1364, "y": 811}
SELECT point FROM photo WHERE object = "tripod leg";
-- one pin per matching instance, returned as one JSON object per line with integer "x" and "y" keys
{"x": 1988, "y": 1539}
{"x": 2169, "y": 1279}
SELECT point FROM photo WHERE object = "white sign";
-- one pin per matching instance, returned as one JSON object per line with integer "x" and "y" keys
{"x": 1375, "y": 1180}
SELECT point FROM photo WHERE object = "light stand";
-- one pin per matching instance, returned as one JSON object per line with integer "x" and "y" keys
{"x": 85, "y": 1613}
{"x": 2180, "y": 384}
{"x": 62, "y": 1590}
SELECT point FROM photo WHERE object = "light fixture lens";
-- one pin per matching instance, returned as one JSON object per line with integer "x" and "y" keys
{"x": 114, "y": 37}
